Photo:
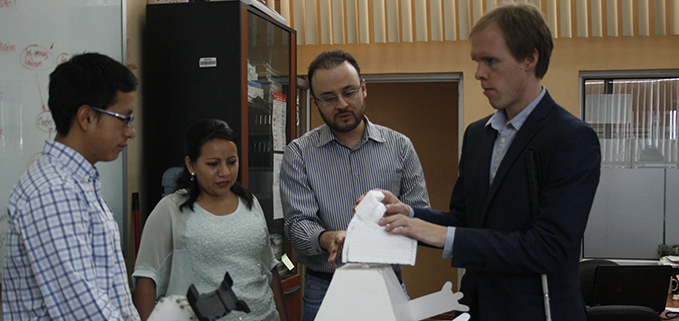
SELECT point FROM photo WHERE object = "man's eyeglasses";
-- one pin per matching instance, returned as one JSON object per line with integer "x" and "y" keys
{"x": 127, "y": 119}
{"x": 332, "y": 101}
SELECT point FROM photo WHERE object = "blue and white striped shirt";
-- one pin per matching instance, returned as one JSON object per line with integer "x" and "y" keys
{"x": 321, "y": 179}
{"x": 64, "y": 260}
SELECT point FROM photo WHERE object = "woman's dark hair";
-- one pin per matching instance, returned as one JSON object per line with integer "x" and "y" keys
{"x": 196, "y": 136}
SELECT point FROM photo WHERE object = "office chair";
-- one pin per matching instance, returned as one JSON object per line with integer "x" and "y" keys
{"x": 587, "y": 272}
{"x": 608, "y": 312}
{"x": 621, "y": 313}
{"x": 169, "y": 179}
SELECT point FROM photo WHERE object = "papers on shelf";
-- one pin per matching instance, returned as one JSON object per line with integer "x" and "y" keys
{"x": 367, "y": 242}
{"x": 672, "y": 260}
{"x": 255, "y": 90}
{"x": 278, "y": 121}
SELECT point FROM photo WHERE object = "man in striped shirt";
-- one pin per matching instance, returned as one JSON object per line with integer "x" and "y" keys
{"x": 327, "y": 169}
{"x": 64, "y": 260}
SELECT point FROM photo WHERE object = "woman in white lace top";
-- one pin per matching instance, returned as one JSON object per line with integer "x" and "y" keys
{"x": 211, "y": 225}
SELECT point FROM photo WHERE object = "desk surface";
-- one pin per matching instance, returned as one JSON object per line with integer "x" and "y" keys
{"x": 671, "y": 303}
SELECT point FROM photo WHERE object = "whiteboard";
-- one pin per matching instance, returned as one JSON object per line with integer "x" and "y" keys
{"x": 35, "y": 36}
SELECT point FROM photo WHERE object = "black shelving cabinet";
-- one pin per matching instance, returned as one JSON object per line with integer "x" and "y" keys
{"x": 220, "y": 59}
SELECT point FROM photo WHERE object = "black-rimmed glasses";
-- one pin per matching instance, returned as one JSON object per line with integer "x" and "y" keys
{"x": 347, "y": 96}
{"x": 127, "y": 119}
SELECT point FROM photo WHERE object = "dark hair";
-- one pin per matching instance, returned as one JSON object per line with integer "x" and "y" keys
{"x": 88, "y": 79}
{"x": 329, "y": 60}
{"x": 196, "y": 136}
{"x": 524, "y": 31}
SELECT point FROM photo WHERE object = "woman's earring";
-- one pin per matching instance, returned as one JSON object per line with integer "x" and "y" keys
{"x": 193, "y": 177}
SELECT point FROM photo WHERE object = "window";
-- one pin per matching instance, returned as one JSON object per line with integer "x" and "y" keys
{"x": 636, "y": 119}
{"x": 636, "y": 206}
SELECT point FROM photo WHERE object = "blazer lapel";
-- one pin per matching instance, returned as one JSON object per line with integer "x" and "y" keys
{"x": 483, "y": 150}
{"x": 486, "y": 149}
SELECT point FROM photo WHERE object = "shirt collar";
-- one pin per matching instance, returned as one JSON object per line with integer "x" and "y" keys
{"x": 499, "y": 119}
{"x": 71, "y": 159}
{"x": 371, "y": 132}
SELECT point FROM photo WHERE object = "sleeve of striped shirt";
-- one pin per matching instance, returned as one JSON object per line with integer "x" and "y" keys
{"x": 413, "y": 185}
{"x": 302, "y": 225}
{"x": 56, "y": 228}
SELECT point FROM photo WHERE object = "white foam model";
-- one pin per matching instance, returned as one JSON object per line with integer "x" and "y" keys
{"x": 356, "y": 292}
{"x": 372, "y": 292}
{"x": 368, "y": 242}
{"x": 172, "y": 308}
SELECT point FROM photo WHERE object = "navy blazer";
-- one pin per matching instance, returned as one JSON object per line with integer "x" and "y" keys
{"x": 501, "y": 243}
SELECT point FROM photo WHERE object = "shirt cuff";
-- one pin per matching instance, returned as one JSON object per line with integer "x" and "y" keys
{"x": 315, "y": 242}
{"x": 412, "y": 211}
{"x": 448, "y": 247}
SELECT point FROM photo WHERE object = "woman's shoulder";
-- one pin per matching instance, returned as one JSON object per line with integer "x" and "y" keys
{"x": 178, "y": 197}
{"x": 256, "y": 206}
{"x": 171, "y": 202}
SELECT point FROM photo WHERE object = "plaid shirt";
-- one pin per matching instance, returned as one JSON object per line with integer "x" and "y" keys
{"x": 64, "y": 260}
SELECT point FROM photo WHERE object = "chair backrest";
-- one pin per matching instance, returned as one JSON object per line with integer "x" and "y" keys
{"x": 169, "y": 179}
{"x": 609, "y": 312}
{"x": 621, "y": 313}
{"x": 587, "y": 272}
{"x": 645, "y": 285}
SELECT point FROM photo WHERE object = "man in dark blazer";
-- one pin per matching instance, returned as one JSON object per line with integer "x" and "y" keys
{"x": 527, "y": 179}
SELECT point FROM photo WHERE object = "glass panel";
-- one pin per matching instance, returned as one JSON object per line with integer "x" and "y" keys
{"x": 302, "y": 107}
{"x": 268, "y": 91}
{"x": 636, "y": 120}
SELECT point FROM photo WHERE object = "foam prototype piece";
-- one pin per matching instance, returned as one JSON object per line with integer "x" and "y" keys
{"x": 368, "y": 242}
{"x": 172, "y": 308}
{"x": 372, "y": 292}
